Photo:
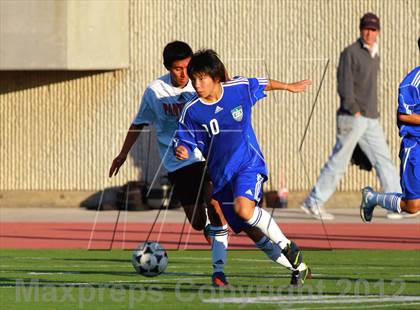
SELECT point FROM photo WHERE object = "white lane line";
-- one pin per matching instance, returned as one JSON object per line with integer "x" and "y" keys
{"x": 77, "y": 266}
{"x": 270, "y": 262}
{"x": 312, "y": 299}
{"x": 364, "y": 306}
{"x": 31, "y": 258}
{"x": 48, "y": 273}
{"x": 410, "y": 276}
{"x": 76, "y": 284}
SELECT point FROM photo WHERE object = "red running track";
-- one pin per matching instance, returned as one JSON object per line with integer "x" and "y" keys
{"x": 308, "y": 235}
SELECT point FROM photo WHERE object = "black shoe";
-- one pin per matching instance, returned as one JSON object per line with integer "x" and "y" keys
{"x": 293, "y": 254}
{"x": 299, "y": 277}
{"x": 366, "y": 207}
{"x": 218, "y": 279}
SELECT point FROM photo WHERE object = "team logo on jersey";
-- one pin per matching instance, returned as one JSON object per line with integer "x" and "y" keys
{"x": 249, "y": 192}
{"x": 237, "y": 113}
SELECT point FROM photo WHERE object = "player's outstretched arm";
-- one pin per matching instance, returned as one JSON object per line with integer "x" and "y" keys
{"x": 130, "y": 139}
{"x": 295, "y": 87}
{"x": 413, "y": 119}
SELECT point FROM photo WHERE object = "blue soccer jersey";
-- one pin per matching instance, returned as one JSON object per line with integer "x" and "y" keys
{"x": 409, "y": 102}
{"x": 222, "y": 130}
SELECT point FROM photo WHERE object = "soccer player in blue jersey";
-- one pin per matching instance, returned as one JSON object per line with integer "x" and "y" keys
{"x": 218, "y": 122}
{"x": 160, "y": 106}
{"x": 408, "y": 122}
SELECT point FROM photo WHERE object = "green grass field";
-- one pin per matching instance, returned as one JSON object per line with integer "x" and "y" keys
{"x": 72, "y": 279}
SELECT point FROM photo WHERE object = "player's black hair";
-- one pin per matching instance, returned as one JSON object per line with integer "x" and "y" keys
{"x": 418, "y": 42}
{"x": 175, "y": 50}
{"x": 208, "y": 62}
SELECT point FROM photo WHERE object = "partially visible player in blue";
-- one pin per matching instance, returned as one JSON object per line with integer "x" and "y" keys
{"x": 408, "y": 115}
{"x": 218, "y": 122}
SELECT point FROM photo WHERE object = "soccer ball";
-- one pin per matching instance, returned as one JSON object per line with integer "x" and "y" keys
{"x": 149, "y": 259}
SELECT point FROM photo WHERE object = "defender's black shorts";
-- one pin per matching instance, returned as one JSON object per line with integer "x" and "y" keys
{"x": 187, "y": 182}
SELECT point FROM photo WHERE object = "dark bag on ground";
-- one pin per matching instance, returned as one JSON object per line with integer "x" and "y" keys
{"x": 360, "y": 159}
{"x": 132, "y": 196}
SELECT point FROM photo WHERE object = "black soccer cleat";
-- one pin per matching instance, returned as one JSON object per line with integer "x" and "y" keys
{"x": 299, "y": 277}
{"x": 366, "y": 207}
{"x": 293, "y": 254}
{"x": 218, "y": 279}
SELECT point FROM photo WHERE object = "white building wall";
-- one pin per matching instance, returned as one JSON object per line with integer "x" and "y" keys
{"x": 60, "y": 130}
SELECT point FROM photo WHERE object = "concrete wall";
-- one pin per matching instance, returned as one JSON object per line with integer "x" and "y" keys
{"x": 97, "y": 34}
{"x": 33, "y": 34}
{"x": 60, "y": 130}
{"x": 63, "y": 35}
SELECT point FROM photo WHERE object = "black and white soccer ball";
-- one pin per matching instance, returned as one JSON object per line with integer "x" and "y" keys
{"x": 149, "y": 259}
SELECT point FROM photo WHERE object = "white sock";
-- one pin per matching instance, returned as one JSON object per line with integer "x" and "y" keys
{"x": 302, "y": 266}
{"x": 273, "y": 251}
{"x": 389, "y": 201}
{"x": 264, "y": 221}
{"x": 207, "y": 217}
{"x": 219, "y": 244}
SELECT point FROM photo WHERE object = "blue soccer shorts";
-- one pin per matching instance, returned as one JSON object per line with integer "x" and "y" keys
{"x": 247, "y": 183}
{"x": 410, "y": 168}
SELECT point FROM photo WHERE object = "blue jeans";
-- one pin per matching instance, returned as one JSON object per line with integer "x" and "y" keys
{"x": 370, "y": 136}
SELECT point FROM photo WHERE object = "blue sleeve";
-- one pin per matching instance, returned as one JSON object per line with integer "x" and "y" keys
{"x": 407, "y": 99}
{"x": 145, "y": 115}
{"x": 256, "y": 89}
{"x": 186, "y": 133}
